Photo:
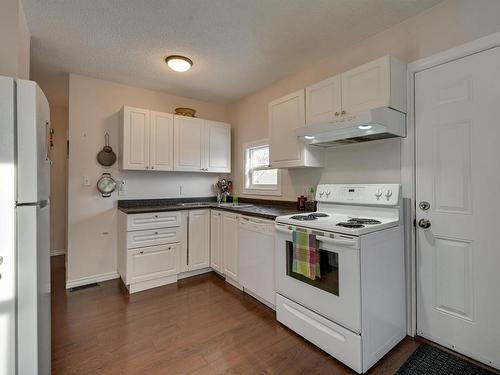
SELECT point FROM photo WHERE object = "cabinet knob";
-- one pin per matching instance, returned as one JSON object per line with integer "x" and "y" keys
{"x": 147, "y": 167}
{"x": 152, "y": 167}
{"x": 141, "y": 252}
{"x": 337, "y": 114}
{"x": 343, "y": 112}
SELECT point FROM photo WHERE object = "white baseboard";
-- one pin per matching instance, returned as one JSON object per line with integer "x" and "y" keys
{"x": 56, "y": 252}
{"x": 92, "y": 279}
{"x": 183, "y": 275}
{"x": 234, "y": 283}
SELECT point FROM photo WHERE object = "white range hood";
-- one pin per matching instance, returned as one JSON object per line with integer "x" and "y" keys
{"x": 377, "y": 123}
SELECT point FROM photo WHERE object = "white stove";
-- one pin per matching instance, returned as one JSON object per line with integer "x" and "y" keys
{"x": 355, "y": 309}
{"x": 351, "y": 209}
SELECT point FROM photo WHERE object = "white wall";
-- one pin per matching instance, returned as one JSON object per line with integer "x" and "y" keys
{"x": 14, "y": 40}
{"x": 444, "y": 26}
{"x": 94, "y": 107}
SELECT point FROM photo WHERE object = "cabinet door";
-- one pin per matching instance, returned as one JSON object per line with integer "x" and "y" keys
{"x": 152, "y": 262}
{"x": 285, "y": 115}
{"x": 217, "y": 146}
{"x": 323, "y": 101}
{"x": 230, "y": 244}
{"x": 199, "y": 239}
{"x": 189, "y": 153}
{"x": 367, "y": 86}
{"x": 162, "y": 141}
{"x": 136, "y": 129}
{"x": 216, "y": 241}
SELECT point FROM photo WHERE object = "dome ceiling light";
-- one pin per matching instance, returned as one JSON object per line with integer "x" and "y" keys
{"x": 179, "y": 63}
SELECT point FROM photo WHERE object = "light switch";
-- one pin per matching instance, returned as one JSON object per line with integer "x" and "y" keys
{"x": 86, "y": 181}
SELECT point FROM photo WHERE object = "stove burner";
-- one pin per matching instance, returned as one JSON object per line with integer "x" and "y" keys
{"x": 360, "y": 220}
{"x": 350, "y": 225}
{"x": 303, "y": 217}
{"x": 319, "y": 214}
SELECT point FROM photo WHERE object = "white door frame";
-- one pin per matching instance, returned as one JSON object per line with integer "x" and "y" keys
{"x": 408, "y": 167}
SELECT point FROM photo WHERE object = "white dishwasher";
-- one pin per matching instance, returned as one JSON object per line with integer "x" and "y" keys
{"x": 256, "y": 258}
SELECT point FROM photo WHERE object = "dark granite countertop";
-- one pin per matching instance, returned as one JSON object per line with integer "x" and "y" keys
{"x": 267, "y": 209}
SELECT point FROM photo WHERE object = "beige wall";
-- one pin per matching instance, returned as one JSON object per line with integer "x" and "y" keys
{"x": 14, "y": 40}
{"x": 444, "y": 26}
{"x": 55, "y": 88}
{"x": 94, "y": 107}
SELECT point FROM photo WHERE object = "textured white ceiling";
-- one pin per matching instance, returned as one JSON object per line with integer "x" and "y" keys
{"x": 238, "y": 46}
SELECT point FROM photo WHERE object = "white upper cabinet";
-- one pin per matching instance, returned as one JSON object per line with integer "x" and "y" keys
{"x": 323, "y": 101}
{"x": 189, "y": 145}
{"x": 201, "y": 145}
{"x": 147, "y": 140}
{"x": 217, "y": 147}
{"x": 286, "y": 150}
{"x": 135, "y": 138}
{"x": 162, "y": 141}
{"x": 380, "y": 83}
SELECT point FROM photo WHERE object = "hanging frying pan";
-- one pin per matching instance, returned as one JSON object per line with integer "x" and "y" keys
{"x": 106, "y": 156}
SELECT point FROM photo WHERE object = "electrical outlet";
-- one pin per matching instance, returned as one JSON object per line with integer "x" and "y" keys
{"x": 181, "y": 190}
{"x": 122, "y": 188}
{"x": 86, "y": 181}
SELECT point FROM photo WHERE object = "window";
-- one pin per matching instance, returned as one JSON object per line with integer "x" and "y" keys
{"x": 259, "y": 177}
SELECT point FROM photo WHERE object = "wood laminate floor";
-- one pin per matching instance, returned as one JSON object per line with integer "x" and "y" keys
{"x": 200, "y": 325}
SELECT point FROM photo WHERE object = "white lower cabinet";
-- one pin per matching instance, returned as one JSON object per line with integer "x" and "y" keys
{"x": 152, "y": 262}
{"x": 216, "y": 255}
{"x": 230, "y": 244}
{"x": 198, "y": 240}
{"x": 150, "y": 247}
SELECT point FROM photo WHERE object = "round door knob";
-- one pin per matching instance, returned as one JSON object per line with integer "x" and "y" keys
{"x": 424, "y": 223}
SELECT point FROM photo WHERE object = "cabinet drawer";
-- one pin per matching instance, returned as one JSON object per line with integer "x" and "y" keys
{"x": 153, "y": 237}
{"x": 153, "y": 220}
{"x": 152, "y": 262}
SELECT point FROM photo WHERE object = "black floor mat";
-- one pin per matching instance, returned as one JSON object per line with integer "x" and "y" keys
{"x": 429, "y": 360}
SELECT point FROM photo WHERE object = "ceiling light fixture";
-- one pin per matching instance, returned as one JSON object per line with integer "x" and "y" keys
{"x": 364, "y": 127}
{"x": 179, "y": 63}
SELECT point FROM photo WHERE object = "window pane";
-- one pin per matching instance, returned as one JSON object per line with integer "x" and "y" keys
{"x": 265, "y": 177}
{"x": 259, "y": 157}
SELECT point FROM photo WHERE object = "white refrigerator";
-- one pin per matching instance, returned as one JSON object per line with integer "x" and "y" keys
{"x": 25, "y": 322}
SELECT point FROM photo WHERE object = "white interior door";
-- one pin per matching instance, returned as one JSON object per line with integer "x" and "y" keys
{"x": 457, "y": 122}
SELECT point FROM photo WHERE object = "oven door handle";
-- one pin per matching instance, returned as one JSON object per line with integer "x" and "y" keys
{"x": 334, "y": 241}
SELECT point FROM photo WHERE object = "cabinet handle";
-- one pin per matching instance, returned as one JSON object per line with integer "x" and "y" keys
{"x": 152, "y": 167}
{"x": 141, "y": 252}
{"x": 156, "y": 233}
{"x": 343, "y": 112}
{"x": 337, "y": 114}
{"x": 147, "y": 167}
{"x": 156, "y": 216}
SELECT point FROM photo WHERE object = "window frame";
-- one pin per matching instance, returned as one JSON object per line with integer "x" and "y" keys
{"x": 248, "y": 188}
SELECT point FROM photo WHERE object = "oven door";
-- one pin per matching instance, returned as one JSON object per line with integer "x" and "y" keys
{"x": 336, "y": 294}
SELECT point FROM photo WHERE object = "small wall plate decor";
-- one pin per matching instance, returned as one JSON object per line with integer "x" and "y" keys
{"x": 106, "y": 185}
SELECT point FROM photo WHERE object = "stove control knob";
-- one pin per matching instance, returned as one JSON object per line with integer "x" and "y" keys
{"x": 328, "y": 194}
{"x": 388, "y": 194}
{"x": 378, "y": 194}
